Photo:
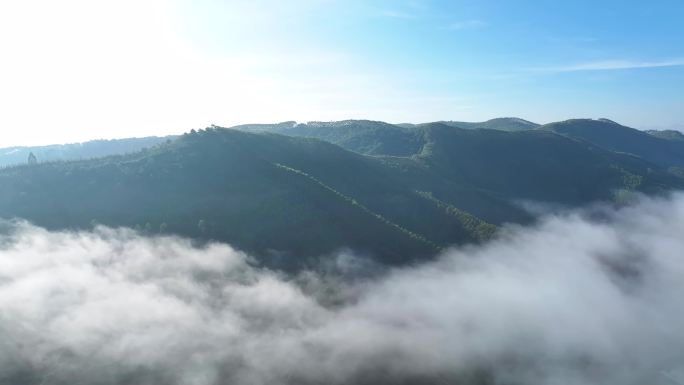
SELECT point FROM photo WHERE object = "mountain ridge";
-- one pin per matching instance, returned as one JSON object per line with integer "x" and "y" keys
{"x": 616, "y": 137}
{"x": 287, "y": 199}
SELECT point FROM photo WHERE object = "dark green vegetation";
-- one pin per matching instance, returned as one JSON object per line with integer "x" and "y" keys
{"x": 362, "y": 136}
{"x": 654, "y": 147}
{"x": 378, "y": 138}
{"x": 401, "y": 193}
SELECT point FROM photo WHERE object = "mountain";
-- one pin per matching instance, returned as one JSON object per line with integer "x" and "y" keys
{"x": 666, "y": 134}
{"x": 502, "y": 124}
{"x": 275, "y": 196}
{"x": 289, "y": 200}
{"x": 536, "y": 165}
{"x": 615, "y": 137}
{"x": 525, "y": 154}
{"x": 85, "y": 150}
{"x": 362, "y": 136}
{"x": 377, "y": 138}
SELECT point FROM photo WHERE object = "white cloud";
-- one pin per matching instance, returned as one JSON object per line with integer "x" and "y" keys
{"x": 607, "y": 65}
{"x": 571, "y": 301}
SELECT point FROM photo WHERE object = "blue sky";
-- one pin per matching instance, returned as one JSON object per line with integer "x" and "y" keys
{"x": 83, "y": 69}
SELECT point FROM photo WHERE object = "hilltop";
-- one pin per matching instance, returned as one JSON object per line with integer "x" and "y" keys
{"x": 406, "y": 194}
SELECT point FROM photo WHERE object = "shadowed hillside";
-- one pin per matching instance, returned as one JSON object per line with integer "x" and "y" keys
{"x": 289, "y": 199}
{"x": 616, "y": 137}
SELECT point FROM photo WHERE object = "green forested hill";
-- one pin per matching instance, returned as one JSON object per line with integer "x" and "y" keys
{"x": 501, "y": 124}
{"x": 289, "y": 199}
{"x": 664, "y": 148}
{"x": 378, "y": 138}
{"x": 527, "y": 163}
{"x": 280, "y": 196}
{"x": 537, "y": 165}
{"x": 616, "y": 137}
{"x": 275, "y": 196}
{"x": 362, "y": 136}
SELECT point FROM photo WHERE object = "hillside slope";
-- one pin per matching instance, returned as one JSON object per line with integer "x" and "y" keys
{"x": 666, "y": 134}
{"x": 272, "y": 195}
{"x": 288, "y": 200}
{"x": 538, "y": 165}
{"x": 378, "y": 138}
{"x": 501, "y": 124}
{"x": 616, "y": 137}
{"x": 362, "y": 136}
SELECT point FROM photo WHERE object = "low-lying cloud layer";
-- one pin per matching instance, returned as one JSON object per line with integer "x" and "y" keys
{"x": 578, "y": 299}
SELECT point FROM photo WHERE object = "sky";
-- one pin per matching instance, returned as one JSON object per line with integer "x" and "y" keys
{"x": 76, "y": 70}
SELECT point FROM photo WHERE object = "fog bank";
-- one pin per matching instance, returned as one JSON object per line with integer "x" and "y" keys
{"x": 577, "y": 299}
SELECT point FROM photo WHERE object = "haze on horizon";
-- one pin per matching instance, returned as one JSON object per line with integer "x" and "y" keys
{"x": 76, "y": 70}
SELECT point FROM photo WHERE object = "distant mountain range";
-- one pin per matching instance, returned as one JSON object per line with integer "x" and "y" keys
{"x": 73, "y": 151}
{"x": 369, "y": 138}
{"x": 503, "y": 124}
{"x": 291, "y": 193}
